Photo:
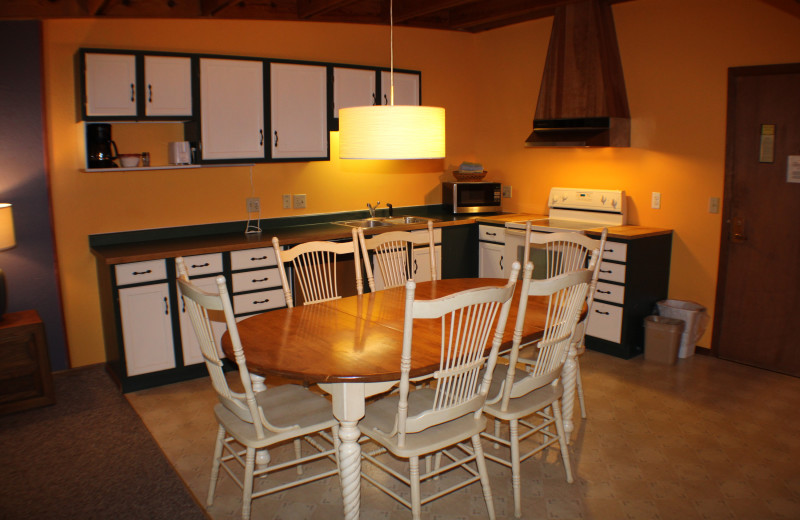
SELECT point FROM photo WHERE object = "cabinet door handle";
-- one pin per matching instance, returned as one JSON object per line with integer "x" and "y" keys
{"x": 256, "y": 302}
{"x": 195, "y": 266}
{"x": 415, "y": 266}
{"x": 133, "y": 93}
{"x": 501, "y": 262}
{"x": 255, "y": 259}
{"x": 259, "y": 280}
{"x": 276, "y": 138}
{"x": 604, "y": 313}
{"x": 374, "y": 99}
{"x": 385, "y": 100}
{"x": 149, "y": 93}
{"x": 166, "y": 306}
{"x": 137, "y": 273}
{"x": 261, "y": 134}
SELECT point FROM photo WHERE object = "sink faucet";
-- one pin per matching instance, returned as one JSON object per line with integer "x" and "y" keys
{"x": 390, "y": 209}
{"x": 372, "y": 209}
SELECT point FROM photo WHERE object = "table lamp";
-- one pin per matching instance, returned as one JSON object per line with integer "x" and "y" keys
{"x": 7, "y": 241}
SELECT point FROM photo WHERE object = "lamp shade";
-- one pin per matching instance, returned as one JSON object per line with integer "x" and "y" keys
{"x": 392, "y": 132}
{"x": 7, "y": 239}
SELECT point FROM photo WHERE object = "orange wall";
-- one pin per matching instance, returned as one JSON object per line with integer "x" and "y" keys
{"x": 675, "y": 71}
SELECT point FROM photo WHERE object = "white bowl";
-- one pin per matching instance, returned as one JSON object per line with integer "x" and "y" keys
{"x": 129, "y": 160}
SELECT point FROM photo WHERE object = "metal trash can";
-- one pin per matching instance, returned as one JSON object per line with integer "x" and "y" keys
{"x": 662, "y": 338}
{"x": 695, "y": 317}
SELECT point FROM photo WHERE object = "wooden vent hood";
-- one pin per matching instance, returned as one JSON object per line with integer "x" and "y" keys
{"x": 582, "y": 99}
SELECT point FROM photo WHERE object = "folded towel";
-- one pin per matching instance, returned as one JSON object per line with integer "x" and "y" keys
{"x": 470, "y": 167}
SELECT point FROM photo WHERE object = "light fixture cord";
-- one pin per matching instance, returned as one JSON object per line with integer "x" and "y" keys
{"x": 391, "y": 52}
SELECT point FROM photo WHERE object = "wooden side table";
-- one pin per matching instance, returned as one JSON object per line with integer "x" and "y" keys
{"x": 25, "y": 377}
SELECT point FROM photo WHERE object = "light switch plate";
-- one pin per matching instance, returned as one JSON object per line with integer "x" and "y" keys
{"x": 287, "y": 201}
{"x": 713, "y": 205}
{"x": 299, "y": 201}
{"x": 506, "y": 192}
{"x": 253, "y": 205}
{"x": 655, "y": 202}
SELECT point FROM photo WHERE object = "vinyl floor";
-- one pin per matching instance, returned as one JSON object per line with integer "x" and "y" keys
{"x": 702, "y": 439}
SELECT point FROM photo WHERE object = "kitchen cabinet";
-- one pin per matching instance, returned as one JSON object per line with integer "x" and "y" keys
{"x": 203, "y": 271}
{"x": 299, "y": 111}
{"x": 256, "y": 281}
{"x": 167, "y": 86}
{"x": 232, "y": 109}
{"x": 406, "y": 88}
{"x": 634, "y": 275}
{"x": 353, "y": 88}
{"x": 109, "y": 85}
{"x": 145, "y": 317}
{"x": 112, "y": 88}
{"x": 491, "y": 251}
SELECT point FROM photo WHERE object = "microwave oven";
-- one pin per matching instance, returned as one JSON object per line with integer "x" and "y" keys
{"x": 471, "y": 197}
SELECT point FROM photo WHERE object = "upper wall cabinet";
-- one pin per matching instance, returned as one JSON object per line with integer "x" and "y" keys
{"x": 406, "y": 88}
{"x": 119, "y": 86}
{"x": 299, "y": 111}
{"x": 352, "y": 88}
{"x": 232, "y": 109}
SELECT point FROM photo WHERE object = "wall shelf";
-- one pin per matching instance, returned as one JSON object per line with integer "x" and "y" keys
{"x": 165, "y": 167}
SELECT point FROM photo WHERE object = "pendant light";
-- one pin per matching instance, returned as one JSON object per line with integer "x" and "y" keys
{"x": 391, "y": 131}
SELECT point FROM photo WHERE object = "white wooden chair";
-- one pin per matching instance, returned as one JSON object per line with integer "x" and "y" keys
{"x": 517, "y": 393}
{"x": 394, "y": 256}
{"x": 566, "y": 252}
{"x": 430, "y": 420}
{"x": 314, "y": 267}
{"x": 251, "y": 421}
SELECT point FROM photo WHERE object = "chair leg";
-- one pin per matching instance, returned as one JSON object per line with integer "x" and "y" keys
{"x": 562, "y": 440}
{"x": 516, "y": 485}
{"x": 496, "y": 445}
{"x": 297, "y": 454}
{"x": 212, "y": 486}
{"x": 247, "y": 483}
{"x": 481, "y": 462}
{"x": 416, "y": 500}
{"x": 579, "y": 384}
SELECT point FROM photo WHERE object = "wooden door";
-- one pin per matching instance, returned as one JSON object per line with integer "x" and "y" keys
{"x": 758, "y": 292}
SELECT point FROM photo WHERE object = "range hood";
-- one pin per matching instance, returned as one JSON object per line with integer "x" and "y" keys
{"x": 582, "y": 98}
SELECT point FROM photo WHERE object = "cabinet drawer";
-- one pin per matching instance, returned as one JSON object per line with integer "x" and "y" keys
{"x": 251, "y": 258}
{"x": 612, "y": 272}
{"x": 258, "y": 301}
{"x": 437, "y": 234}
{"x": 605, "y": 322}
{"x": 491, "y": 234}
{"x": 140, "y": 272}
{"x": 609, "y": 292}
{"x": 203, "y": 264}
{"x": 253, "y": 280}
{"x": 616, "y": 251}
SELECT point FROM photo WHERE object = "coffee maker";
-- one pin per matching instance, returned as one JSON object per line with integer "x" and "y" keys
{"x": 99, "y": 145}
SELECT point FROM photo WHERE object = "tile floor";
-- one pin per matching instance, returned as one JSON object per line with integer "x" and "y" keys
{"x": 703, "y": 439}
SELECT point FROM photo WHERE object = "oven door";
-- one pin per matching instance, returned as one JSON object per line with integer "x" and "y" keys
{"x": 515, "y": 244}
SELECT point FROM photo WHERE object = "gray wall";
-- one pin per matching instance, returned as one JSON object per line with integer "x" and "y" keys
{"x": 30, "y": 267}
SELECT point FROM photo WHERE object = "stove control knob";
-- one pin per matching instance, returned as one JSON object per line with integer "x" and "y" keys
{"x": 564, "y": 197}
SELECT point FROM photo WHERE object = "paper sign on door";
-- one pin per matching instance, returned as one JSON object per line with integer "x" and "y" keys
{"x": 793, "y": 168}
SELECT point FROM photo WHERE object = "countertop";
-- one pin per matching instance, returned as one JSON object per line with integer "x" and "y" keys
{"x": 142, "y": 250}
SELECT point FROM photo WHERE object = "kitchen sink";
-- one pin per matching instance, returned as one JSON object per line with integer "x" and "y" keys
{"x": 384, "y": 221}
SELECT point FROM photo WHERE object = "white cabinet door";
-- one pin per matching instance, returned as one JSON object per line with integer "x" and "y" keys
{"x": 352, "y": 88}
{"x": 490, "y": 261}
{"x": 146, "y": 328}
{"x": 421, "y": 267}
{"x": 168, "y": 86}
{"x": 406, "y": 88}
{"x": 232, "y": 109}
{"x": 110, "y": 84}
{"x": 189, "y": 343}
{"x": 299, "y": 111}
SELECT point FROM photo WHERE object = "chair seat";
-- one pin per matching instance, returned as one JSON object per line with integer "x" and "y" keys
{"x": 379, "y": 421}
{"x": 519, "y": 406}
{"x": 283, "y": 406}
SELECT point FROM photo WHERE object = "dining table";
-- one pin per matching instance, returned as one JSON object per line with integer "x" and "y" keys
{"x": 351, "y": 348}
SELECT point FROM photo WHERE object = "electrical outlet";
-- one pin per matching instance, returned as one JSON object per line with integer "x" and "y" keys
{"x": 253, "y": 204}
{"x": 299, "y": 201}
{"x": 506, "y": 192}
{"x": 655, "y": 201}
{"x": 713, "y": 205}
{"x": 287, "y": 201}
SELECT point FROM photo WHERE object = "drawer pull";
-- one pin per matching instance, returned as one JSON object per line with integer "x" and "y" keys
{"x": 257, "y": 258}
{"x": 608, "y": 250}
{"x": 606, "y": 271}
{"x": 195, "y": 266}
{"x": 261, "y": 280}
{"x": 137, "y": 273}
{"x": 603, "y": 292}
{"x": 256, "y": 302}
{"x": 604, "y": 313}
{"x": 491, "y": 234}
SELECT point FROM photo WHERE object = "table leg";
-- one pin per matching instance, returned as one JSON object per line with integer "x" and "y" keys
{"x": 569, "y": 378}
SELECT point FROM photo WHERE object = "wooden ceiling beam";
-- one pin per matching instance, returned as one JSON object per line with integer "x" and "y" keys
{"x": 309, "y": 8}
{"x": 496, "y": 13}
{"x": 95, "y": 7}
{"x": 212, "y": 7}
{"x": 416, "y": 8}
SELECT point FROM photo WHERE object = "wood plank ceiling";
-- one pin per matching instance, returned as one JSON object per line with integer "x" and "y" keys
{"x": 456, "y": 15}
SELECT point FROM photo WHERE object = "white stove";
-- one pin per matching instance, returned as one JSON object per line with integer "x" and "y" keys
{"x": 578, "y": 210}
{"x": 575, "y": 210}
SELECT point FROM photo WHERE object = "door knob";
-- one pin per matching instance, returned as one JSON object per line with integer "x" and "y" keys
{"x": 737, "y": 230}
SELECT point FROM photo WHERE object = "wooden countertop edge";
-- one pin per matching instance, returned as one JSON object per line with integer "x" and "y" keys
{"x": 171, "y": 248}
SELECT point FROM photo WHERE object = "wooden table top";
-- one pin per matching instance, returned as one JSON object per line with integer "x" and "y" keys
{"x": 360, "y": 338}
